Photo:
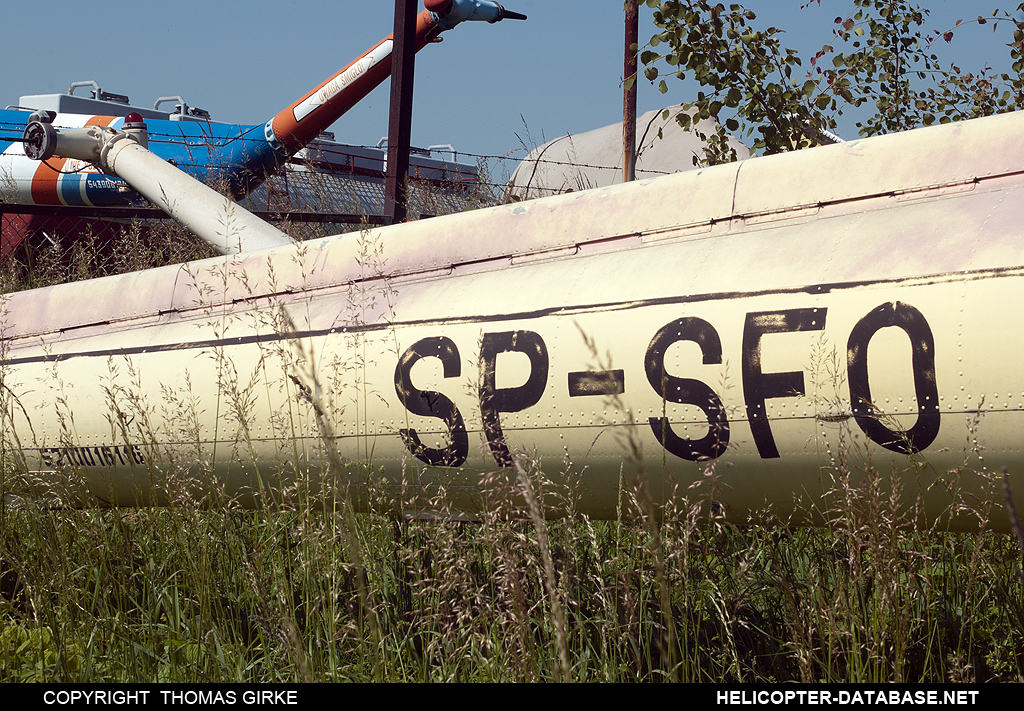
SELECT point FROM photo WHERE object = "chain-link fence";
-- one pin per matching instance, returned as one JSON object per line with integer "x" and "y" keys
{"x": 42, "y": 245}
{"x": 328, "y": 190}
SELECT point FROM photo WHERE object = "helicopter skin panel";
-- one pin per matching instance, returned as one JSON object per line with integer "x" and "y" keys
{"x": 763, "y": 333}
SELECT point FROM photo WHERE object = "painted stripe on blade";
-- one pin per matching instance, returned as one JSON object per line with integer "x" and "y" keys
{"x": 102, "y": 189}
{"x": 70, "y": 186}
{"x": 48, "y": 188}
{"x": 44, "y": 181}
{"x": 342, "y": 79}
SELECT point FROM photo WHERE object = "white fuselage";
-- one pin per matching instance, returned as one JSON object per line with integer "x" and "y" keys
{"x": 768, "y": 326}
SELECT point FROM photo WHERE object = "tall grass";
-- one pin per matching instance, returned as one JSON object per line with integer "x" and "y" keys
{"x": 184, "y": 594}
{"x": 132, "y": 248}
{"x": 291, "y": 592}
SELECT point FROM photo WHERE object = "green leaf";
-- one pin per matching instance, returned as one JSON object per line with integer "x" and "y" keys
{"x": 744, "y": 67}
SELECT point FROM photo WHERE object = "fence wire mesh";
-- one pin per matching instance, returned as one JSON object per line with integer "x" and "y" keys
{"x": 41, "y": 245}
{"x": 328, "y": 190}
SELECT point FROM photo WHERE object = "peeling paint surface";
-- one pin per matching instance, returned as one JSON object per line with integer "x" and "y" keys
{"x": 766, "y": 322}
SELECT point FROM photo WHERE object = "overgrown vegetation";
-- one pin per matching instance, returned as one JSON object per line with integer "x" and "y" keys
{"x": 302, "y": 589}
{"x": 294, "y": 592}
{"x": 184, "y": 594}
{"x": 129, "y": 248}
{"x": 59, "y": 249}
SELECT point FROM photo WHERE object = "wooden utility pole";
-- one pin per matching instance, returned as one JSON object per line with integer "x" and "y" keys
{"x": 629, "y": 92}
{"x": 400, "y": 118}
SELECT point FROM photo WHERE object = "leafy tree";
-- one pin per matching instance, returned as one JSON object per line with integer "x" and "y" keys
{"x": 881, "y": 55}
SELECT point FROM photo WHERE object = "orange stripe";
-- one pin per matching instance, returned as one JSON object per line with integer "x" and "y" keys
{"x": 44, "y": 180}
{"x": 293, "y": 134}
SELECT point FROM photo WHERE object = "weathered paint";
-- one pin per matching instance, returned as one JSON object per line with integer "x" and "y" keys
{"x": 239, "y": 154}
{"x": 297, "y": 125}
{"x": 776, "y": 321}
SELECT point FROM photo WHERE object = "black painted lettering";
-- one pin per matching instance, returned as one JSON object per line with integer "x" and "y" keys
{"x": 686, "y": 391}
{"x": 913, "y": 323}
{"x": 495, "y": 400}
{"x": 759, "y": 386}
{"x": 428, "y": 403}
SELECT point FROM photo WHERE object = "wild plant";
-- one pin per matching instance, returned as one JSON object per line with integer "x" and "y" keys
{"x": 518, "y": 587}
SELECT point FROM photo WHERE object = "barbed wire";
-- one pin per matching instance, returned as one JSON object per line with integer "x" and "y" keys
{"x": 314, "y": 203}
{"x": 525, "y": 159}
{"x": 339, "y": 150}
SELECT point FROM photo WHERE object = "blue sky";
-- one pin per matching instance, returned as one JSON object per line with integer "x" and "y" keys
{"x": 558, "y": 72}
